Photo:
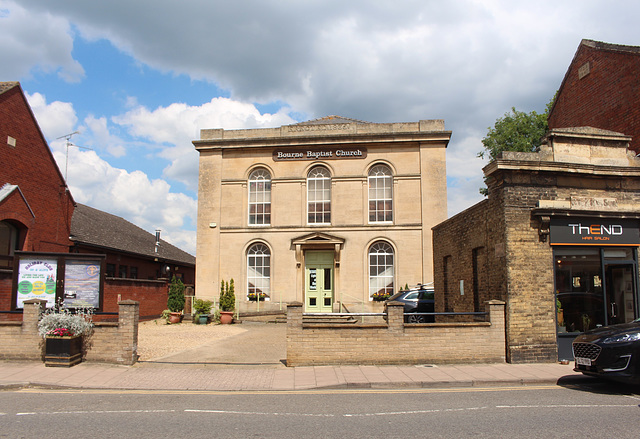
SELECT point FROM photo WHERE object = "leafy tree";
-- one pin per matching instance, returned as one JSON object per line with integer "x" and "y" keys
{"x": 516, "y": 131}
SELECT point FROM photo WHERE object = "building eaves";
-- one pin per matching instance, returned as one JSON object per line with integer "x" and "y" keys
{"x": 95, "y": 228}
{"x": 7, "y": 189}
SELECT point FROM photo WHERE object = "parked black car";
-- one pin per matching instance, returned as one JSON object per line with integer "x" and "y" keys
{"x": 611, "y": 352}
{"x": 416, "y": 300}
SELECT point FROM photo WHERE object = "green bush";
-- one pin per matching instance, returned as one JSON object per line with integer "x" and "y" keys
{"x": 201, "y": 306}
{"x": 175, "y": 303}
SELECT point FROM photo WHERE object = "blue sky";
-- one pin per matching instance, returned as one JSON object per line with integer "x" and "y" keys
{"x": 139, "y": 79}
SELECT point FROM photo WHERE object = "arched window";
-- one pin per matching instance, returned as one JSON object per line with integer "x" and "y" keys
{"x": 319, "y": 196}
{"x": 258, "y": 272}
{"x": 8, "y": 244}
{"x": 380, "y": 194}
{"x": 381, "y": 272}
{"x": 260, "y": 198}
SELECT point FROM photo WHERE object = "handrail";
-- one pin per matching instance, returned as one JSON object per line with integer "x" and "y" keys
{"x": 326, "y": 314}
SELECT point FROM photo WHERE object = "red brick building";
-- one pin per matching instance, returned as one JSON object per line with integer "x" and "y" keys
{"x": 601, "y": 89}
{"x": 38, "y": 214}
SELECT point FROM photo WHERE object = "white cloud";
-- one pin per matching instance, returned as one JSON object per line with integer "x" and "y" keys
{"x": 174, "y": 128}
{"x": 55, "y": 119}
{"x": 35, "y": 41}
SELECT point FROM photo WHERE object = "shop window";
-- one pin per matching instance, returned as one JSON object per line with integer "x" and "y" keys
{"x": 260, "y": 198}
{"x": 381, "y": 269}
{"x": 319, "y": 196}
{"x": 258, "y": 272}
{"x": 580, "y": 301}
{"x": 380, "y": 194}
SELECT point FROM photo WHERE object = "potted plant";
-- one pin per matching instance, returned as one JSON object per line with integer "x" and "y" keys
{"x": 64, "y": 332}
{"x": 202, "y": 309}
{"x": 227, "y": 301}
{"x": 175, "y": 302}
{"x": 381, "y": 296}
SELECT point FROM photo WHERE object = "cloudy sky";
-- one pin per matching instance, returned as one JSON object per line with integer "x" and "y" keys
{"x": 139, "y": 79}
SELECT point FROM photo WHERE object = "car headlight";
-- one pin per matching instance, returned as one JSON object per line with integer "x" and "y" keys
{"x": 623, "y": 338}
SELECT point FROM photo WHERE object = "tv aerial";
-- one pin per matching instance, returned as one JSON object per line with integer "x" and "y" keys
{"x": 66, "y": 160}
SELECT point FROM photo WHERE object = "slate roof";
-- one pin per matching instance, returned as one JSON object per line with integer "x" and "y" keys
{"x": 94, "y": 227}
{"x": 4, "y": 86}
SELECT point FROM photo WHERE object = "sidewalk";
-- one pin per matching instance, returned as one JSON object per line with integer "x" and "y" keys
{"x": 253, "y": 359}
{"x": 175, "y": 377}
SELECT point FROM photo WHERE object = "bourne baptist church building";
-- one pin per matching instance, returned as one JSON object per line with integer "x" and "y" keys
{"x": 333, "y": 213}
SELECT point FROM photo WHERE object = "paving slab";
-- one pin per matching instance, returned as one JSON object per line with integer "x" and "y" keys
{"x": 254, "y": 360}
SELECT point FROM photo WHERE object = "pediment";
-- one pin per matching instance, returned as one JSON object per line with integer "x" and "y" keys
{"x": 317, "y": 238}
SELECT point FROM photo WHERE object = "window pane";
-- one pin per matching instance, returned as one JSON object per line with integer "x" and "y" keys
{"x": 259, "y": 197}
{"x": 258, "y": 271}
{"x": 380, "y": 194}
{"x": 381, "y": 269}
{"x": 318, "y": 196}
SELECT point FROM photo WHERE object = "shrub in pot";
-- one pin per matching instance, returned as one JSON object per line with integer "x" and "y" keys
{"x": 202, "y": 309}
{"x": 227, "y": 301}
{"x": 175, "y": 302}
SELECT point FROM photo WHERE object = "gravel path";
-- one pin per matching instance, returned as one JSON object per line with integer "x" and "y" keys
{"x": 157, "y": 339}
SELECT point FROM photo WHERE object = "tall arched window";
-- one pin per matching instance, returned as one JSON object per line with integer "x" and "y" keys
{"x": 381, "y": 271}
{"x": 319, "y": 196}
{"x": 258, "y": 272}
{"x": 380, "y": 194}
{"x": 260, "y": 197}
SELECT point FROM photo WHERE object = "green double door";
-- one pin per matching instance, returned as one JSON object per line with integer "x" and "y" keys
{"x": 318, "y": 281}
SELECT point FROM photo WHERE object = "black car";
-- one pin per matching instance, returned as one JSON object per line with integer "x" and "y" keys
{"x": 611, "y": 352}
{"x": 416, "y": 300}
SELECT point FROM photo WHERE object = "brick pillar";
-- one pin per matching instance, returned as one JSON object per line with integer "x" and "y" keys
{"x": 395, "y": 317}
{"x": 495, "y": 310}
{"x": 294, "y": 332}
{"x": 31, "y": 315}
{"x": 128, "y": 317}
{"x": 29, "y": 337}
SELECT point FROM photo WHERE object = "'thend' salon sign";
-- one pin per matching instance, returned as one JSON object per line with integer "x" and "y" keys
{"x": 594, "y": 231}
{"x": 280, "y": 155}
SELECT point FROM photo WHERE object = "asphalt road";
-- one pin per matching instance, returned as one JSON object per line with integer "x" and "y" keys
{"x": 581, "y": 409}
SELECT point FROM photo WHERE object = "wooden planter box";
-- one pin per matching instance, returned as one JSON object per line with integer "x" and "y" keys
{"x": 63, "y": 351}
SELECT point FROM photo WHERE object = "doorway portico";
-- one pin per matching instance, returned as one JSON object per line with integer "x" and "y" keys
{"x": 318, "y": 271}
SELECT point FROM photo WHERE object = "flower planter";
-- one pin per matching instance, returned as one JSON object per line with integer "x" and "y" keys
{"x": 63, "y": 351}
{"x": 175, "y": 317}
{"x": 203, "y": 319}
{"x": 226, "y": 317}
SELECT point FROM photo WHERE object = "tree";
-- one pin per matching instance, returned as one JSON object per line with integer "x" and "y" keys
{"x": 516, "y": 131}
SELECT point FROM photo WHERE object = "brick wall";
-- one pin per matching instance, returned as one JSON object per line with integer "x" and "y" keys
{"x": 395, "y": 342}
{"x": 606, "y": 97}
{"x": 152, "y": 295}
{"x": 110, "y": 342}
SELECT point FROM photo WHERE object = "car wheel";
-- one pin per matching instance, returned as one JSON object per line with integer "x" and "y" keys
{"x": 416, "y": 319}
